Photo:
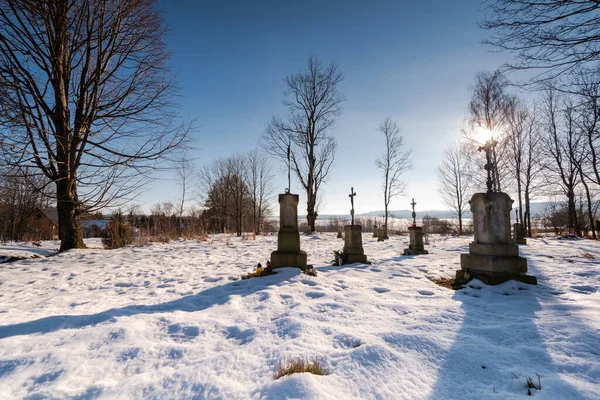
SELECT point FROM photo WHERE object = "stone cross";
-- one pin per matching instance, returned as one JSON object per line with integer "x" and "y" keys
{"x": 517, "y": 214}
{"x": 414, "y": 214}
{"x": 351, "y": 195}
{"x": 289, "y": 162}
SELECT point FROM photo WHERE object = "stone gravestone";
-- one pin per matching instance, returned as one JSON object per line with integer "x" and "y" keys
{"x": 353, "y": 250}
{"x": 518, "y": 234}
{"x": 374, "y": 231}
{"x": 339, "y": 235}
{"x": 415, "y": 246}
{"x": 493, "y": 256}
{"x": 518, "y": 230}
{"x": 288, "y": 252}
{"x": 380, "y": 237}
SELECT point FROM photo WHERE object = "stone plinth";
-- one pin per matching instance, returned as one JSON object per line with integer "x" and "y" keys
{"x": 288, "y": 252}
{"x": 493, "y": 256}
{"x": 518, "y": 234}
{"x": 380, "y": 237}
{"x": 375, "y": 231}
{"x": 415, "y": 246}
{"x": 353, "y": 250}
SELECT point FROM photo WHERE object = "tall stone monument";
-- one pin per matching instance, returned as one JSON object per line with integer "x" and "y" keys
{"x": 353, "y": 250}
{"x": 493, "y": 256}
{"x": 288, "y": 252}
{"x": 415, "y": 247}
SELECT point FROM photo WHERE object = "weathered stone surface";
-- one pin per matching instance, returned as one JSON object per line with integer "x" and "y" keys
{"x": 353, "y": 250}
{"x": 415, "y": 246}
{"x": 374, "y": 231}
{"x": 491, "y": 217}
{"x": 506, "y": 250}
{"x": 288, "y": 252}
{"x": 493, "y": 256}
{"x": 380, "y": 237}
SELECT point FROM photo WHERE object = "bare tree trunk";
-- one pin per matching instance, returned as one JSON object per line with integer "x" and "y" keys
{"x": 69, "y": 223}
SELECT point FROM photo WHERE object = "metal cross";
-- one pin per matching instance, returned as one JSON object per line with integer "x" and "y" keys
{"x": 414, "y": 214}
{"x": 351, "y": 195}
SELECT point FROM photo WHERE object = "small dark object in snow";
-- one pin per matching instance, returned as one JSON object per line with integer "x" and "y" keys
{"x": 483, "y": 366}
{"x": 531, "y": 385}
{"x": 310, "y": 270}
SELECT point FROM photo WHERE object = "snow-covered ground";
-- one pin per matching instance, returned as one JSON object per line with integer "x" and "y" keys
{"x": 173, "y": 321}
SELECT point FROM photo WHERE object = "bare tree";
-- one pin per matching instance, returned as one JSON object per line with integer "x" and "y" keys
{"x": 225, "y": 193}
{"x": 393, "y": 162}
{"x": 553, "y": 38}
{"x": 488, "y": 112}
{"x": 313, "y": 103}
{"x": 532, "y": 168}
{"x": 185, "y": 169}
{"x": 455, "y": 181}
{"x": 517, "y": 122}
{"x": 259, "y": 179}
{"x": 86, "y": 98}
{"x": 562, "y": 144}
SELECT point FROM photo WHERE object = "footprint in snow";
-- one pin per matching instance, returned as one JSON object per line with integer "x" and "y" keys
{"x": 315, "y": 295}
{"x": 213, "y": 279}
{"x": 585, "y": 289}
{"x": 242, "y": 336}
{"x": 381, "y": 289}
{"x": 344, "y": 341}
{"x": 425, "y": 292}
{"x": 128, "y": 354}
{"x": 182, "y": 333}
{"x": 124, "y": 284}
{"x": 309, "y": 282}
{"x": 375, "y": 270}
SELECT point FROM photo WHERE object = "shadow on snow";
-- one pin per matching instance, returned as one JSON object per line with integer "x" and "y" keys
{"x": 210, "y": 297}
{"x": 484, "y": 356}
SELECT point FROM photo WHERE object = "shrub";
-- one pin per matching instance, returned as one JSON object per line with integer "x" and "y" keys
{"x": 118, "y": 233}
{"x": 299, "y": 366}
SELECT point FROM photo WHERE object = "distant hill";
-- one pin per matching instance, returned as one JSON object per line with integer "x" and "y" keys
{"x": 536, "y": 208}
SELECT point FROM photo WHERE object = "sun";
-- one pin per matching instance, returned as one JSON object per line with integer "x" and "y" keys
{"x": 482, "y": 135}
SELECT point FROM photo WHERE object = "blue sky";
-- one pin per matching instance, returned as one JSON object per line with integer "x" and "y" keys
{"x": 413, "y": 61}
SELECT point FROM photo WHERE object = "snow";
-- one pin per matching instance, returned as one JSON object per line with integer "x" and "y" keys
{"x": 173, "y": 320}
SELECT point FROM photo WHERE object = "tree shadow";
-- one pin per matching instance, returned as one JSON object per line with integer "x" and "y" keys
{"x": 217, "y": 295}
{"x": 498, "y": 346}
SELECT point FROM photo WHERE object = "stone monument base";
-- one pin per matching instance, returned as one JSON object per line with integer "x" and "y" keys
{"x": 353, "y": 250}
{"x": 416, "y": 246}
{"x": 414, "y": 252}
{"x": 286, "y": 259}
{"x": 493, "y": 264}
{"x": 521, "y": 241}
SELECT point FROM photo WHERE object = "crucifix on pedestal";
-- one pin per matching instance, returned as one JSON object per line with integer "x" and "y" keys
{"x": 351, "y": 195}
{"x": 414, "y": 214}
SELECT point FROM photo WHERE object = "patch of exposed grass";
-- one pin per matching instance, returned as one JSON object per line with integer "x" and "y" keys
{"x": 448, "y": 283}
{"x": 587, "y": 255}
{"x": 298, "y": 366}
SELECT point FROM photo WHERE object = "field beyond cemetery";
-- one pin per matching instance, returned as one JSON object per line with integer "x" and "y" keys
{"x": 173, "y": 320}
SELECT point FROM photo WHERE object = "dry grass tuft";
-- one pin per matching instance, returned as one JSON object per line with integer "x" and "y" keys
{"x": 587, "y": 255}
{"x": 299, "y": 366}
{"x": 448, "y": 283}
